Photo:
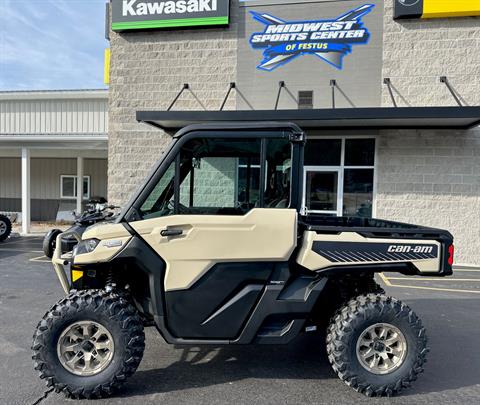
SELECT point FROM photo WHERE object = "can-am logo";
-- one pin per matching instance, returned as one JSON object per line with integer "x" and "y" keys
{"x": 135, "y": 7}
{"x": 410, "y": 249}
{"x": 329, "y": 40}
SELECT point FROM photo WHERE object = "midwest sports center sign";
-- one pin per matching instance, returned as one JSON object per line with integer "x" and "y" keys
{"x": 151, "y": 14}
{"x": 329, "y": 40}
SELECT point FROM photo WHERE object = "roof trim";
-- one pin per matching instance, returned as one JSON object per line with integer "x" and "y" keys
{"x": 54, "y": 94}
{"x": 340, "y": 118}
{"x": 218, "y": 126}
{"x": 52, "y": 138}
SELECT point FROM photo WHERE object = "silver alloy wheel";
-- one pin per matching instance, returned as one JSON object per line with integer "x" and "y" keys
{"x": 3, "y": 227}
{"x": 381, "y": 348}
{"x": 85, "y": 348}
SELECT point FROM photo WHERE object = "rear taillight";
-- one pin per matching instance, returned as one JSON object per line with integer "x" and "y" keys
{"x": 451, "y": 251}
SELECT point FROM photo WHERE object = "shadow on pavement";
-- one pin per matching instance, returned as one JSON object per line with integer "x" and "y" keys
{"x": 203, "y": 366}
{"x": 453, "y": 361}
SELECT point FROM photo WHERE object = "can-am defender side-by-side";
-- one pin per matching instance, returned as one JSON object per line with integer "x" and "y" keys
{"x": 217, "y": 248}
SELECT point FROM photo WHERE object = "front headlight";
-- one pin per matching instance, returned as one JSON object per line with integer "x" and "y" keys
{"x": 86, "y": 246}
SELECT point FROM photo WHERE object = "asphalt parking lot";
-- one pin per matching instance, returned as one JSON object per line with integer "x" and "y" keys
{"x": 296, "y": 374}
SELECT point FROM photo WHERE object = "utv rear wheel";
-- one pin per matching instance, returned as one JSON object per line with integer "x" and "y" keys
{"x": 88, "y": 344}
{"x": 377, "y": 345}
{"x": 5, "y": 227}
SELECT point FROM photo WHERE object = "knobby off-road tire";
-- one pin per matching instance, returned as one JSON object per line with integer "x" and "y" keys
{"x": 350, "y": 323}
{"x": 110, "y": 312}
{"x": 49, "y": 242}
{"x": 5, "y": 227}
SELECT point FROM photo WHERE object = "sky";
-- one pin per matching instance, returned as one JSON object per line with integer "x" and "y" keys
{"x": 52, "y": 44}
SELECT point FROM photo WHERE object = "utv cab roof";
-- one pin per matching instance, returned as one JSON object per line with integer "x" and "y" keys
{"x": 338, "y": 118}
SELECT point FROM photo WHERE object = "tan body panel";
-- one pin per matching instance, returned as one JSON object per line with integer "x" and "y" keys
{"x": 314, "y": 261}
{"x": 104, "y": 251}
{"x": 261, "y": 235}
{"x": 106, "y": 231}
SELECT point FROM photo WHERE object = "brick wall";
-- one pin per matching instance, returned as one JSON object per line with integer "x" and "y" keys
{"x": 432, "y": 177}
{"x": 147, "y": 71}
{"x": 417, "y": 52}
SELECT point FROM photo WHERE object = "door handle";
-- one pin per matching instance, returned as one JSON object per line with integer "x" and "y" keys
{"x": 171, "y": 232}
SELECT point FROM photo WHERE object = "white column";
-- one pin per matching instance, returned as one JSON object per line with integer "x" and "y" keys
{"x": 25, "y": 190}
{"x": 79, "y": 184}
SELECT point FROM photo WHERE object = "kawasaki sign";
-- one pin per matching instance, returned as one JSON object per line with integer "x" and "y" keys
{"x": 148, "y": 14}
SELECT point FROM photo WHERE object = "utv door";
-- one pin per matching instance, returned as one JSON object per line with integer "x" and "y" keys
{"x": 220, "y": 216}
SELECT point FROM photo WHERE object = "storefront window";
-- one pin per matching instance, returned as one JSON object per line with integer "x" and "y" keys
{"x": 359, "y": 152}
{"x": 339, "y": 181}
{"x": 323, "y": 152}
{"x": 358, "y": 192}
{"x": 322, "y": 191}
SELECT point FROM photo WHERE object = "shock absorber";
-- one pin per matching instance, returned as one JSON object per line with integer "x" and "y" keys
{"x": 110, "y": 283}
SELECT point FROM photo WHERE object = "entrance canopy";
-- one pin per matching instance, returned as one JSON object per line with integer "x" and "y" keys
{"x": 339, "y": 118}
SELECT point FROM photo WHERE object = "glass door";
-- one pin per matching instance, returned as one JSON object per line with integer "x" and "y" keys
{"x": 322, "y": 191}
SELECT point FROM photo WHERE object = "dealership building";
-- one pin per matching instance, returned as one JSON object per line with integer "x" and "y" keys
{"x": 48, "y": 140}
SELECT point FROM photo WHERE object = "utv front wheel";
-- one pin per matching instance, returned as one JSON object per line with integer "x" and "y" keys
{"x": 377, "y": 345}
{"x": 88, "y": 344}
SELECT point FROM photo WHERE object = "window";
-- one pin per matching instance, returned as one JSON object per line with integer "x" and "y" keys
{"x": 323, "y": 152}
{"x": 223, "y": 176}
{"x": 248, "y": 180}
{"x": 339, "y": 176}
{"x": 160, "y": 200}
{"x": 68, "y": 187}
{"x": 278, "y": 173}
{"x": 322, "y": 191}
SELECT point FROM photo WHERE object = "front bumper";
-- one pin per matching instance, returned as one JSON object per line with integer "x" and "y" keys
{"x": 60, "y": 260}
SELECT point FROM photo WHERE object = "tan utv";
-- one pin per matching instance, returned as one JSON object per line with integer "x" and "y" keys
{"x": 217, "y": 248}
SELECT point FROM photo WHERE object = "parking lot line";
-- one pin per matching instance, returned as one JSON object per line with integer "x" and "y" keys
{"x": 42, "y": 259}
{"x": 387, "y": 282}
{"x": 434, "y": 279}
{"x": 466, "y": 270}
{"x": 435, "y": 288}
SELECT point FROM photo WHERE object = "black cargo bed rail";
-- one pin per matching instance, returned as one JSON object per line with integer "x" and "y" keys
{"x": 367, "y": 227}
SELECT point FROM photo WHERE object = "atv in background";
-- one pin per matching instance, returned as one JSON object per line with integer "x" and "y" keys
{"x": 97, "y": 211}
{"x": 5, "y": 227}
